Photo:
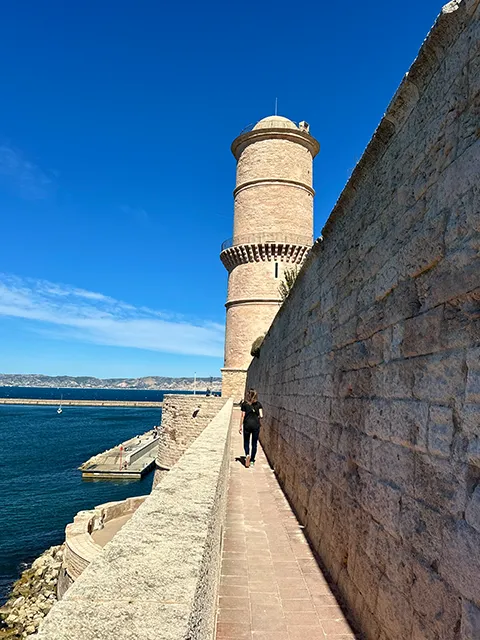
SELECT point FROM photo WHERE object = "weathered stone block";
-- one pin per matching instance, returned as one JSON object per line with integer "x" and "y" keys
{"x": 319, "y": 407}
{"x": 354, "y": 384}
{"x": 440, "y": 431}
{"x": 378, "y": 421}
{"x": 422, "y": 334}
{"x": 381, "y": 500}
{"x": 461, "y": 325}
{"x": 401, "y": 303}
{"x": 394, "y": 463}
{"x": 435, "y": 601}
{"x": 440, "y": 378}
{"x": 356, "y": 446}
{"x": 366, "y": 577}
{"x": 470, "y": 621}
{"x": 304, "y": 448}
{"x": 460, "y": 563}
{"x": 472, "y": 512}
{"x": 463, "y": 224}
{"x": 393, "y": 342}
{"x": 456, "y": 275}
{"x": 409, "y": 423}
{"x": 422, "y": 527}
{"x": 398, "y": 566}
{"x": 473, "y": 376}
{"x": 394, "y": 609}
{"x": 348, "y": 412}
{"x": 393, "y": 380}
{"x": 425, "y": 249}
{"x": 439, "y": 485}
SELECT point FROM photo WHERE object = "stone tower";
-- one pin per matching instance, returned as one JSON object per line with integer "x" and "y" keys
{"x": 272, "y": 231}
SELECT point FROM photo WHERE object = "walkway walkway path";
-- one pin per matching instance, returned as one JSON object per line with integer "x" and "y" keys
{"x": 271, "y": 587}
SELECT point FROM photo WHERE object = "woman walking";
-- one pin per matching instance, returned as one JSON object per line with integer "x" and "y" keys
{"x": 252, "y": 412}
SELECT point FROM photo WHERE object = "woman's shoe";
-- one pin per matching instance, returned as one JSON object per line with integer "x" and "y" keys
{"x": 247, "y": 461}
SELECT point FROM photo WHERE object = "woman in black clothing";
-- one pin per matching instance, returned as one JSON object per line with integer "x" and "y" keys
{"x": 252, "y": 412}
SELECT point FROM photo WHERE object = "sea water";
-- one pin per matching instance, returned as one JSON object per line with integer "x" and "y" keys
{"x": 41, "y": 488}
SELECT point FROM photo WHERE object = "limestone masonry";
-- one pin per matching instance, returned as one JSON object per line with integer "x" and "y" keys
{"x": 184, "y": 417}
{"x": 370, "y": 373}
{"x": 273, "y": 230}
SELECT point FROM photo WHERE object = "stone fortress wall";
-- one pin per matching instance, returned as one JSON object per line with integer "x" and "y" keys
{"x": 184, "y": 417}
{"x": 370, "y": 373}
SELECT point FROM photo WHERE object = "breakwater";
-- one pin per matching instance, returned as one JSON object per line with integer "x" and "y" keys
{"x": 130, "y": 459}
{"x": 84, "y": 403}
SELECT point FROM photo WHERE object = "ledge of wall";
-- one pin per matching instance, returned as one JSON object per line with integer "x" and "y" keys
{"x": 157, "y": 579}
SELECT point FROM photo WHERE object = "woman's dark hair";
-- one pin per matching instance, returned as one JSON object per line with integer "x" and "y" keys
{"x": 252, "y": 396}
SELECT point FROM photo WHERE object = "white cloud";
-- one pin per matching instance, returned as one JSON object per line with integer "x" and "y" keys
{"x": 28, "y": 179}
{"x": 92, "y": 317}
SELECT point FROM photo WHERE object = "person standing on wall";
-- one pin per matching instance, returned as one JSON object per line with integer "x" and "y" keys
{"x": 252, "y": 413}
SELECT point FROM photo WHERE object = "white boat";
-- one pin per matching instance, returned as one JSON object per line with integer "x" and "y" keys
{"x": 60, "y": 410}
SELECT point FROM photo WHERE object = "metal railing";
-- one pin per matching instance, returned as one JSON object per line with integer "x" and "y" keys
{"x": 268, "y": 238}
{"x": 250, "y": 127}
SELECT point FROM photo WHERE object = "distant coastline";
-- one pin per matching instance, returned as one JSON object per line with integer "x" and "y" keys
{"x": 147, "y": 383}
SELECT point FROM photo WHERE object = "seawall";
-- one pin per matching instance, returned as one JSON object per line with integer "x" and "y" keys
{"x": 130, "y": 459}
{"x": 370, "y": 373}
{"x": 82, "y": 403}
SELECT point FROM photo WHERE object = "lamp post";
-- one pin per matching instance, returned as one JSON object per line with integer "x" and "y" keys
{"x": 195, "y": 383}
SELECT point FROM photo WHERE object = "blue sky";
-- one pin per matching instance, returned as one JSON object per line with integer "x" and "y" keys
{"x": 116, "y": 175}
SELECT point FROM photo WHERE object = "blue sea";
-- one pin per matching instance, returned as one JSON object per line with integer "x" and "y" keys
{"x": 41, "y": 488}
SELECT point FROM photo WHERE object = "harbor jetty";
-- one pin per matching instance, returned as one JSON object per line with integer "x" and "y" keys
{"x": 146, "y": 404}
{"x": 131, "y": 459}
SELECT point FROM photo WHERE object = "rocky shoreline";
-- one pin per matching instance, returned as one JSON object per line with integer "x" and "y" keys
{"x": 32, "y": 596}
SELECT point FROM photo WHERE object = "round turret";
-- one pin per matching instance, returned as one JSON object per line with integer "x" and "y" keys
{"x": 272, "y": 231}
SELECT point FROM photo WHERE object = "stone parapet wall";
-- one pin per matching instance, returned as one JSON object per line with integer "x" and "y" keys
{"x": 157, "y": 579}
{"x": 183, "y": 420}
{"x": 370, "y": 373}
{"x": 80, "y": 548}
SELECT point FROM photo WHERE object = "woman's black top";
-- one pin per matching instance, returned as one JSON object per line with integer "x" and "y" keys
{"x": 252, "y": 415}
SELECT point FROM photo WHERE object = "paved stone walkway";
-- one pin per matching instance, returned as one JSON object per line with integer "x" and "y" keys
{"x": 271, "y": 587}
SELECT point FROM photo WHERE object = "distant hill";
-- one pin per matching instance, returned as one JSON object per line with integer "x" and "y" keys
{"x": 89, "y": 382}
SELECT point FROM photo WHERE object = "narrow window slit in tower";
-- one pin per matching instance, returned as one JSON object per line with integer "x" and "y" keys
{"x": 276, "y": 269}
